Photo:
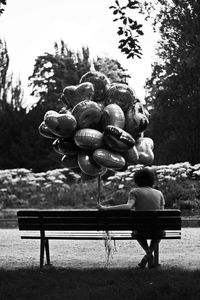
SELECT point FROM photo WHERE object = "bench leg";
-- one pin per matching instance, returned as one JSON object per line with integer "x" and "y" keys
{"x": 156, "y": 253}
{"x": 42, "y": 245}
{"x": 47, "y": 252}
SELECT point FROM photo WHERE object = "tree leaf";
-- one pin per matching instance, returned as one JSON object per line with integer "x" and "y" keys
{"x": 140, "y": 32}
{"x": 125, "y": 21}
{"x": 112, "y": 7}
{"x": 115, "y": 11}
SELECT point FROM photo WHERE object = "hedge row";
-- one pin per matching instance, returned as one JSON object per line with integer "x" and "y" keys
{"x": 21, "y": 188}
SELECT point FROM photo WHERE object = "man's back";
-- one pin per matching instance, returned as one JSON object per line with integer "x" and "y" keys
{"x": 147, "y": 198}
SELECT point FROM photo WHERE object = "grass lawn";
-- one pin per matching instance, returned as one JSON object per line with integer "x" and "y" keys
{"x": 94, "y": 284}
{"x": 79, "y": 270}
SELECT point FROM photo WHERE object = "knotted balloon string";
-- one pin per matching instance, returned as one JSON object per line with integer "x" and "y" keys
{"x": 110, "y": 247}
{"x": 99, "y": 189}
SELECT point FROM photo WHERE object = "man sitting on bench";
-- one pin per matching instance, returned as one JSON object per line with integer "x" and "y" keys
{"x": 144, "y": 197}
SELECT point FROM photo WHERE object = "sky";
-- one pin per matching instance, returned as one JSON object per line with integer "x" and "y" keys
{"x": 31, "y": 27}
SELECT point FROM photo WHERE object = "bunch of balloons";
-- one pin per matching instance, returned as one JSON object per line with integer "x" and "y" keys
{"x": 100, "y": 127}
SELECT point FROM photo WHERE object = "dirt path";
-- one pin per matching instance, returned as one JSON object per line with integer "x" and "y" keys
{"x": 17, "y": 253}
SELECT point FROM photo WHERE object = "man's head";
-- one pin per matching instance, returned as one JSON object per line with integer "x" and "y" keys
{"x": 144, "y": 177}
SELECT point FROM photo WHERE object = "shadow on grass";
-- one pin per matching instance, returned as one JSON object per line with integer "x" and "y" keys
{"x": 99, "y": 284}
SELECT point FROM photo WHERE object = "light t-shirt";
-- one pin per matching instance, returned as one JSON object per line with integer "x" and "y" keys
{"x": 147, "y": 198}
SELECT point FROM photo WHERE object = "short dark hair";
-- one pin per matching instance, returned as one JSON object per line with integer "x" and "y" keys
{"x": 144, "y": 177}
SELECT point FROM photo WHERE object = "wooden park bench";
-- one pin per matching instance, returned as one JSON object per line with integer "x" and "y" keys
{"x": 48, "y": 225}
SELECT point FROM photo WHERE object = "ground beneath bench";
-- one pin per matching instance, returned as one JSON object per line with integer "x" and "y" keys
{"x": 17, "y": 253}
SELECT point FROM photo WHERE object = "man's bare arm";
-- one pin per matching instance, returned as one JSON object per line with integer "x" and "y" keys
{"x": 127, "y": 206}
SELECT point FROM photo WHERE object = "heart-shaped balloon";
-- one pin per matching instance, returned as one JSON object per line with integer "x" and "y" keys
{"x": 72, "y": 94}
{"x": 109, "y": 159}
{"x": 62, "y": 125}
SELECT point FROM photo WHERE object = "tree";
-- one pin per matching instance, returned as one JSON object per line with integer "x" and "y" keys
{"x": 4, "y": 82}
{"x": 53, "y": 72}
{"x": 174, "y": 89}
{"x": 129, "y": 29}
{"x": 112, "y": 68}
{"x": 2, "y": 2}
{"x": 12, "y": 115}
{"x": 11, "y": 95}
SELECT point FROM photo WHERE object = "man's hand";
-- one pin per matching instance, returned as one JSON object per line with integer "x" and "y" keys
{"x": 100, "y": 207}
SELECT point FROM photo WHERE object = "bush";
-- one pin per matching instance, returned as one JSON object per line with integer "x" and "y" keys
{"x": 180, "y": 193}
{"x": 61, "y": 188}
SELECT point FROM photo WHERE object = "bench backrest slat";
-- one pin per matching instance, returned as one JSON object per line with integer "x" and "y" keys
{"x": 96, "y": 213}
{"x": 98, "y": 220}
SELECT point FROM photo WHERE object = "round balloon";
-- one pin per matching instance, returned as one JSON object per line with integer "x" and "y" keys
{"x": 87, "y": 113}
{"x": 117, "y": 139}
{"x": 88, "y": 165}
{"x": 123, "y": 169}
{"x": 46, "y": 132}
{"x": 65, "y": 146}
{"x": 120, "y": 94}
{"x": 136, "y": 122}
{"x": 131, "y": 156}
{"x": 70, "y": 161}
{"x": 113, "y": 115}
{"x": 109, "y": 159}
{"x": 100, "y": 83}
{"x": 88, "y": 138}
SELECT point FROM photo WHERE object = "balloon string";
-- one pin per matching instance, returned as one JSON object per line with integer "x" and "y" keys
{"x": 99, "y": 189}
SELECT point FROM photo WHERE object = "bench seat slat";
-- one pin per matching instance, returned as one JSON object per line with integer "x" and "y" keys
{"x": 95, "y": 235}
{"x": 96, "y": 238}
